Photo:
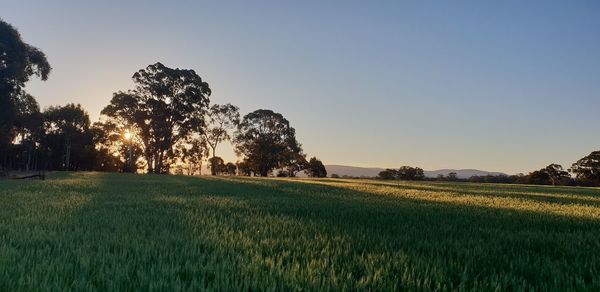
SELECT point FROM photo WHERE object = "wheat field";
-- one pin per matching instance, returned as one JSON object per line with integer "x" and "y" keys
{"x": 100, "y": 231}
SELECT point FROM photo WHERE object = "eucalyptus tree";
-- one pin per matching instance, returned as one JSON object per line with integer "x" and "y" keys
{"x": 230, "y": 168}
{"x": 191, "y": 153}
{"x": 264, "y": 139}
{"x": 217, "y": 163}
{"x": 166, "y": 106}
{"x": 587, "y": 169}
{"x": 316, "y": 168}
{"x": 68, "y": 134}
{"x": 556, "y": 173}
{"x": 294, "y": 160}
{"x": 410, "y": 173}
{"x": 222, "y": 119}
{"x": 28, "y": 130}
{"x": 19, "y": 61}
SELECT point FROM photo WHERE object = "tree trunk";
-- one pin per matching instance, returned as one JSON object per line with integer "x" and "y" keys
{"x": 68, "y": 154}
{"x": 200, "y": 169}
{"x": 28, "y": 165}
{"x": 157, "y": 165}
{"x": 264, "y": 172}
{"x": 213, "y": 171}
{"x": 150, "y": 161}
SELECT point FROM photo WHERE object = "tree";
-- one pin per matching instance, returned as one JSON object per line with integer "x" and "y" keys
{"x": 282, "y": 173}
{"x": 587, "y": 169}
{"x": 388, "y": 174}
{"x": 293, "y": 160}
{"x": 452, "y": 176}
{"x": 68, "y": 135}
{"x": 410, "y": 173}
{"x": 217, "y": 164}
{"x": 28, "y": 130}
{"x": 552, "y": 174}
{"x": 316, "y": 168}
{"x": 556, "y": 173}
{"x": 230, "y": 168}
{"x": 539, "y": 177}
{"x": 117, "y": 149}
{"x": 221, "y": 120}
{"x": 264, "y": 139}
{"x": 18, "y": 62}
{"x": 166, "y": 106}
{"x": 191, "y": 153}
{"x": 244, "y": 168}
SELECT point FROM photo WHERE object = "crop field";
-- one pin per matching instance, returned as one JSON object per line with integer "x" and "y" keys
{"x": 96, "y": 231}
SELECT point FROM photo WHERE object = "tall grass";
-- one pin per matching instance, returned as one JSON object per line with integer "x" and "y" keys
{"x": 92, "y": 231}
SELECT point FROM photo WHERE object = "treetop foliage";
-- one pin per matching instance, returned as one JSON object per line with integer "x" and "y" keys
{"x": 265, "y": 139}
{"x": 403, "y": 173}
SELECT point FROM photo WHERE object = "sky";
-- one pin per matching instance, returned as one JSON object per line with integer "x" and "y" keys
{"x": 507, "y": 86}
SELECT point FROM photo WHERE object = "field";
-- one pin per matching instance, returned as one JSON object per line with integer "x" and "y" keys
{"x": 94, "y": 231}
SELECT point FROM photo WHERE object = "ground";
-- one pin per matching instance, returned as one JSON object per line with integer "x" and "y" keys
{"x": 96, "y": 231}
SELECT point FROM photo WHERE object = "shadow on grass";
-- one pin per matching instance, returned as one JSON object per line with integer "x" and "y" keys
{"x": 563, "y": 195}
{"x": 421, "y": 244}
{"x": 170, "y": 232}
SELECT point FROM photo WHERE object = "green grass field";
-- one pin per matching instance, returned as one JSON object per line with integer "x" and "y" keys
{"x": 93, "y": 231}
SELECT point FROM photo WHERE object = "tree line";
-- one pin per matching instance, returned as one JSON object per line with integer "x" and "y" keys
{"x": 584, "y": 172}
{"x": 164, "y": 124}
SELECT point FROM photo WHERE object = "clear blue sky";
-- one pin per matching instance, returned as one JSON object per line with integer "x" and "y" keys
{"x": 496, "y": 85}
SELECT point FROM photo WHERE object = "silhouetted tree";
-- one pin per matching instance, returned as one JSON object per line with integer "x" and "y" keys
{"x": 18, "y": 62}
{"x": 114, "y": 149}
{"x": 587, "y": 169}
{"x": 410, "y": 173}
{"x": 552, "y": 174}
{"x": 68, "y": 136}
{"x": 539, "y": 177}
{"x": 316, "y": 168}
{"x": 217, "y": 164}
{"x": 166, "y": 107}
{"x": 264, "y": 138}
{"x": 335, "y": 175}
{"x": 557, "y": 175}
{"x": 230, "y": 168}
{"x": 191, "y": 153}
{"x": 388, "y": 174}
{"x": 221, "y": 120}
{"x": 28, "y": 131}
{"x": 244, "y": 168}
{"x": 294, "y": 160}
{"x": 452, "y": 176}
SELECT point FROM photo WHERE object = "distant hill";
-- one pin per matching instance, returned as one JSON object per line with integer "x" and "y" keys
{"x": 373, "y": 171}
{"x": 461, "y": 173}
{"x": 352, "y": 170}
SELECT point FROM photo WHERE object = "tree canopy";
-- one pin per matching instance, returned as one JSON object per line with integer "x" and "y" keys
{"x": 19, "y": 61}
{"x": 403, "y": 173}
{"x": 265, "y": 139}
{"x": 222, "y": 119}
{"x": 166, "y": 106}
{"x": 68, "y": 136}
{"x": 316, "y": 168}
{"x": 587, "y": 169}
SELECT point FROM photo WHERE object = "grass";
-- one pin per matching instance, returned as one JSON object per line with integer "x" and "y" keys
{"x": 94, "y": 231}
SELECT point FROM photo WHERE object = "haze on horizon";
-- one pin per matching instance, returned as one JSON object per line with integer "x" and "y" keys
{"x": 510, "y": 86}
